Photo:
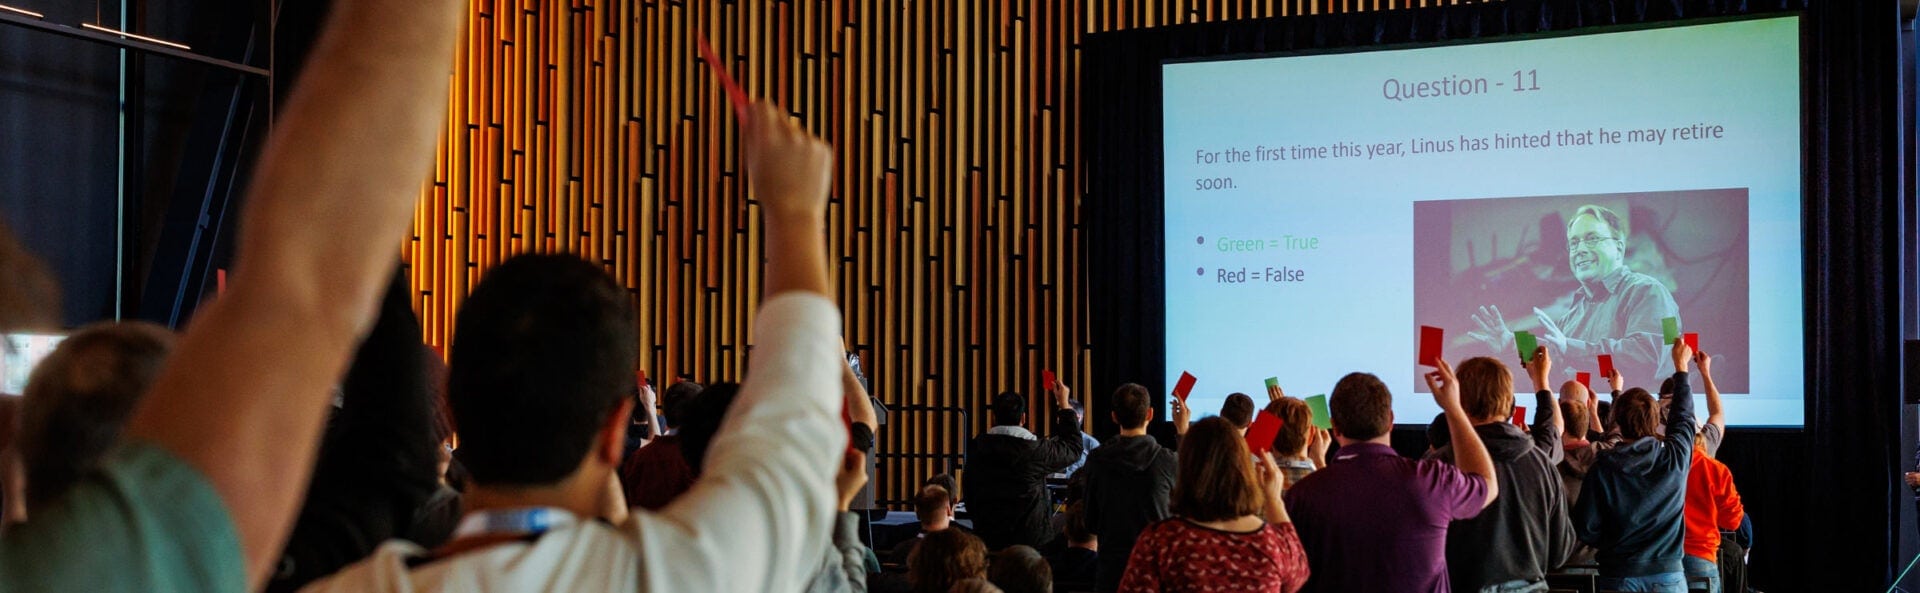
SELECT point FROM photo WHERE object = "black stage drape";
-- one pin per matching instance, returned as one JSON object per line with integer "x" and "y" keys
{"x": 1822, "y": 499}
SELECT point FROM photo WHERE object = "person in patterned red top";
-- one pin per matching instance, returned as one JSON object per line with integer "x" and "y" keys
{"x": 1229, "y": 532}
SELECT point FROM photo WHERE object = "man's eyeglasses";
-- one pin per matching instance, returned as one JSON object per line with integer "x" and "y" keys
{"x": 1589, "y": 242}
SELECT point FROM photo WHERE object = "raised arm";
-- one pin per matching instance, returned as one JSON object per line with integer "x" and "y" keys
{"x": 1062, "y": 446}
{"x": 756, "y": 518}
{"x": 1680, "y": 428}
{"x": 1546, "y": 418}
{"x": 1469, "y": 454}
{"x": 247, "y": 390}
{"x": 1716, "y": 415}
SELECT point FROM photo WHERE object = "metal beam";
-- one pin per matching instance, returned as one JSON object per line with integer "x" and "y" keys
{"x": 9, "y": 18}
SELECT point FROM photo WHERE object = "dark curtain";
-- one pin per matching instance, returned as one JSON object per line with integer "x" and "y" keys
{"x": 1822, "y": 499}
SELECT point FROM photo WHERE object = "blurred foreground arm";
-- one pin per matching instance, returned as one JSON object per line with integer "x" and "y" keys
{"x": 247, "y": 391}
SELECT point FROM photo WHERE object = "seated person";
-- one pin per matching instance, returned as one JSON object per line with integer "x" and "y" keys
{"x": 1074, "y": 567}
{"x": 1020, "y": 569}
{"x": 933, "y": 506}
{"x": 946, "y": 557}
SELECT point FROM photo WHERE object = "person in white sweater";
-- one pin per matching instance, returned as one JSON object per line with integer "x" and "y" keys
{"x": 541, "y": 367}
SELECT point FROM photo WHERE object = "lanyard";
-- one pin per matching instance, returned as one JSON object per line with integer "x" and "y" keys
{"x": 520, "y": 522}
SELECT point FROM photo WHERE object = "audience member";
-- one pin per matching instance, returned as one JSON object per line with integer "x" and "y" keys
{"x": 1086, "y": 440}
{"x": 645, "y": 426}
{"x": 1603, "y": 416}
{"x": 1007, "y": 468}
{"x": 1375, "y": 521}
{"x": 1525, "y": 533}
{"x": 1238, "y": 409}
{"x": 1579, "y": 452}
{"x": 945, "y": 557}
{"x": 1437, "y": 434}
{"x": 1712, "y": 502}
{"x": 379, "y": 461}
{"x": 933, "y": 506}
{"x": 1229, "y": 530}
{"x": 541, "y": 372}
{"x": 1020, "y": 569}
{"x": 1631, "y": 501}
{"x": 846, "y": 565}
{"x": 1128, "y": 483}
{"x": 437, "y": 518}
{"x": 78, "y": 400}
{"x": 219, "y": 452}
{"x": 1714, "y": 430}
{"x": 1299, "y": 447}
{"x": 1075, "y": 567}
{"x": 659, "y": 471}
{"x": 974, "y": 585}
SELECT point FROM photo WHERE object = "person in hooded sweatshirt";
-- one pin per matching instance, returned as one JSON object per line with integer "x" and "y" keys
{"x": 1510, "y": 546}
{"x": 1631, "y": 501}
{"x": 1128, "y": 483}
{"x": 1576, "y": 410}
{"x": 1006, "y": 479}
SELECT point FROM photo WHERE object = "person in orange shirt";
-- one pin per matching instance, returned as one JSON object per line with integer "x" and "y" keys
{"x": 1713, "y": 504}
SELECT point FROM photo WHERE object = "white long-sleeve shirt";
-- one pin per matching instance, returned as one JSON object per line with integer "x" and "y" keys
{"x": 759, "y": 518}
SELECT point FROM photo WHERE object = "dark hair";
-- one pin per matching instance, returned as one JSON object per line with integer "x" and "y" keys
{"x": 1009, "y": 409}
{"x": 1215, "y": 480}
{"x": 1020, "y": 569}
{"x": 944, "y": 480}
{"x": 1666, "y": 387}
{"x": 1361, "y": 406}
{"x": 79, "y": 398}
{"x": 543, "y": 351}
{"x": 1131, "y": 407}
{"x": 1295, "y": 420}
{"x": 673, "y": 403}
{"x": 1486, "y": 388}
{"x": 934, "y": 500}
{"x": 1238, "y": 409}
{"x": 973, "y": 585}
{"x": 1635, "y": 413}
{"x": 1438, "y": 433}
{"x": 1076, "y": 524}
{"x": 703, "y": 421}
{"x": 1575, "y": 413}
{"x": 945, "y": 557}
{"x": 1603, "y": 414}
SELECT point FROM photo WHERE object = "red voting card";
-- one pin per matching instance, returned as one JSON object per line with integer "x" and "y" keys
{"x": 1519, "y": 415}
{"x": 640, "y": 378}
{"x": 1606, "y": 366}
{"x": 1047, "y": 379}
{"x": 1260, "y": 435}
{"x": 1692, "y": 339}
{"x": 1430, "y": 337}
{"x": 735, "y": 96}
{"x": 1185, "y": 386}
{"x": 1585, "y": 379}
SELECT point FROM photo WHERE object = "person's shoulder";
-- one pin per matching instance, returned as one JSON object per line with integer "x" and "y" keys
{"x": 377, "y": 572}
{"x": 1633, "y": 281}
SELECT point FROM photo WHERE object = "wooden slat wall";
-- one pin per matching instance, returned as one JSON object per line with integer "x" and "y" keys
{"x": 592, "y": 127}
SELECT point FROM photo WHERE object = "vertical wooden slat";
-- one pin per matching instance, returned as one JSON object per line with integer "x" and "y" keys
{"x": 590, "y": 126}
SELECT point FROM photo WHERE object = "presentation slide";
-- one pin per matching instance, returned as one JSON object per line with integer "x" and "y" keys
{"x": 1596, "y": 192}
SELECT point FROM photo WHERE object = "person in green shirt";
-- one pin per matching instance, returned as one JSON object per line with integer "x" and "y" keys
{"x": 203, "y": 492}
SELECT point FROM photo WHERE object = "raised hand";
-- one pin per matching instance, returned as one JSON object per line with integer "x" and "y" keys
{"x": 788, "y": 170}
{"x": 1540, "y": 369}
{"x": 1552, "y": 334}
{"x": 1274, "y": 393}
{"x": 1682, "y": 354}
{"x": 1705, "y": 362}
{"x": 1318, "y": 439}
{"x": 1445, "y": 387}
{"x": 1181, "y": 417}
{"x": 1493, "y": 329}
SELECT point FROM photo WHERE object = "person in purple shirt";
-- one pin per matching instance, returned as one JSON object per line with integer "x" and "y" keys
{"x": 1375, "y": 521}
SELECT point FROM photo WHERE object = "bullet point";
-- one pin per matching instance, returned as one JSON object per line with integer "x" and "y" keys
{"x": 1199, "y": 271}
{"x": 1200, "y": 240}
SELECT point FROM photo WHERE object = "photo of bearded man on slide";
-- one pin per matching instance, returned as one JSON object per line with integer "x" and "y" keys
{"x": 1615, "y": 310}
